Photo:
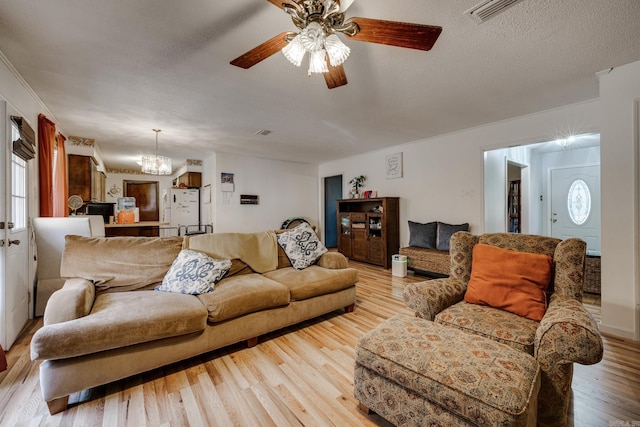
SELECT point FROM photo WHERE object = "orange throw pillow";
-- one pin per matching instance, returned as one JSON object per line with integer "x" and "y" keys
{"x": 509, "y": 280}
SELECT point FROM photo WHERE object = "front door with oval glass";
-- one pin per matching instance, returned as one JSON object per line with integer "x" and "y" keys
{"x": 575, "y": 204}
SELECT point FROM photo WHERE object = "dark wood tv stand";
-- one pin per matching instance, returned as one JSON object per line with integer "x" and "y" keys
{"x": 368, "y": 229}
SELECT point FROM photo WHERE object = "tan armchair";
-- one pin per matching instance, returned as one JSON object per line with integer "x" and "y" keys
{"x": 566, "y": 334}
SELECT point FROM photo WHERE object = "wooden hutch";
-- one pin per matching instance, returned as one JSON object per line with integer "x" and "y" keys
{"x": 368, "y": 229}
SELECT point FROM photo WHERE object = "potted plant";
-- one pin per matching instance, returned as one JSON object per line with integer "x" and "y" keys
{"x": 356, "y": 184}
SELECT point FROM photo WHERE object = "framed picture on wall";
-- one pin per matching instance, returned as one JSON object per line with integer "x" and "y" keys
{"x": 393, "y": 165}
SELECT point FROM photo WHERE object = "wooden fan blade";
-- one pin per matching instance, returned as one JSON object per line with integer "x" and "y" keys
{"x": 336, "y": 76}
{"x": 402, "y": 34}
{"x": 262, "y": 52}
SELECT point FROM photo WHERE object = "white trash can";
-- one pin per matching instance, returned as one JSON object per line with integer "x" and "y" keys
{"x": 399, "y": 265}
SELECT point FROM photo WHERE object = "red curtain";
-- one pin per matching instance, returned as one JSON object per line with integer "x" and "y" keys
{"x": 3, "y": 360}
{"x": 60, "y": 185}
{"x": 46, "y": 155}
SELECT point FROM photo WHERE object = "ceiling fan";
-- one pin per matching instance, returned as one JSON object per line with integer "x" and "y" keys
{"x": 319, "y": 21}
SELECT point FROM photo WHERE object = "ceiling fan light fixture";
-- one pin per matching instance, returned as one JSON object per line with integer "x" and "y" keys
{"x": 155, "y": 164}
{"x": 318, "y": 62}
{"x": 312, "y": 37}
{"x": 320, "y": 22}
{"x": 338, "y": 51}
{"x": 294, "y": 51}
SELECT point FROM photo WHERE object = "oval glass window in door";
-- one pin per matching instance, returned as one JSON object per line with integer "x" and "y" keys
{"x": 579, "y": 202}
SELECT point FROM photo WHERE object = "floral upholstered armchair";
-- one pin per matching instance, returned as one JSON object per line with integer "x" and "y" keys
{"x": 561, "y": 332}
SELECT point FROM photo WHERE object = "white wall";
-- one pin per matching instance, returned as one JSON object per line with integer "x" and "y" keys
{"x": 443, "y": 176}
{"x": 619, "y": 96}
{"x": 495, "y": 191}
{"x": 285, "y": 189}
{"x": 207, "y": 210}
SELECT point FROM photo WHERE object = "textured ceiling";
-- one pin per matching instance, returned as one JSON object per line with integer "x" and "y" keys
{"x": 113, "y": 70}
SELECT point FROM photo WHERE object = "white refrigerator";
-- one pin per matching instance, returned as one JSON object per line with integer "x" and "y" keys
{"x": 181, "y": 208}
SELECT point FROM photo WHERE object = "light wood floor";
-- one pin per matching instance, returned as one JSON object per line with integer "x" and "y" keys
{"x": 300, "y": 376}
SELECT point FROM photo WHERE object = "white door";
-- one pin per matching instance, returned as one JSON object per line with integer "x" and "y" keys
{"x": 14, "y": 238}
{"x": 575, "y": 204}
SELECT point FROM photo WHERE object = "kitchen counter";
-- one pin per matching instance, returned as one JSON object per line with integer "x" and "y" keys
{"x": 138, "y": 224}
{"x": 143, "y": 228}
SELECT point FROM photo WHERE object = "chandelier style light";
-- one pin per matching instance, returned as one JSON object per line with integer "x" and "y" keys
{"x": 566, "y": 142}
{"x": 155, "y": 164}
{"x": 318, "y": 21}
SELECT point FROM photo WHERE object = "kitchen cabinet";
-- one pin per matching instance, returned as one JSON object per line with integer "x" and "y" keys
{"x": 84, "y": 178}
{"x": 190, "y": 180}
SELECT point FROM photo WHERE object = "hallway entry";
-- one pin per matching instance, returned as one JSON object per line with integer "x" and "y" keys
{"x": 332, "y": 192}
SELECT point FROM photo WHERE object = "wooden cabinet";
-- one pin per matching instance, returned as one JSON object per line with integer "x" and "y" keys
{"x": 191, "y": 179}
{"x": 368, "y": 229}
{"x": 147, "y": 229}
{"x": 85, "y": 179}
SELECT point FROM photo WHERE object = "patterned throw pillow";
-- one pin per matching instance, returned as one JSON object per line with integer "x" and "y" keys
{"x": 301, "y": 245}
{"x": 193, "y": 273}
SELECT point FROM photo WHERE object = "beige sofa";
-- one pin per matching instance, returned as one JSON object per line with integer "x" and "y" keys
{"x": 107, "y": 322}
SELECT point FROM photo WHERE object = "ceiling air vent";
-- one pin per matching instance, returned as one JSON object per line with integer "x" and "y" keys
{"x": 488, "y": 9}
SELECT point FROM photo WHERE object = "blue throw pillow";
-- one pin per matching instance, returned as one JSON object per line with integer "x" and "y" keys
{"x": 423, "y": 235}
{"x": 194, "y": 273}
{"x": 302, "y": 246}
{"x": 445, "y": 231}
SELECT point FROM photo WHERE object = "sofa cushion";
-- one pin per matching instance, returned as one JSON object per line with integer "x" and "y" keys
{"x": 423, "y": 235}
{"x": 515, "y": 331}
{"x": 238, "y": 267}
{"x": 283, "y": 259}
{"x": 509, "y": 280}
{"x": 314, "y": 280}
{"x": 258, "y": 250}
{"x": 119, "y": 263}
{"x": 72, "y": 301}
{"x": 445, "y": 231}
{"x": 302, "y": 246}
{"x": 194, "y": 273}
{"x": 333, "y": 260}
{"x": 243, "y": 294}
{"x": 119, "y": 319}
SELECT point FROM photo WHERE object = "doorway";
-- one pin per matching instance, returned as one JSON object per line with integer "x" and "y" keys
{"x": 14, "y": 235}
{"x": 575, "y": 204}
{"x": 515, "y": 196}
{"x": 147, "y": 195}
{"x": 332, "y": 192}
{"x": 535, "y": 161}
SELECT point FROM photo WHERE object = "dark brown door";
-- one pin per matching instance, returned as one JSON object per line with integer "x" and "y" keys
{"x": 147, "y": 195}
